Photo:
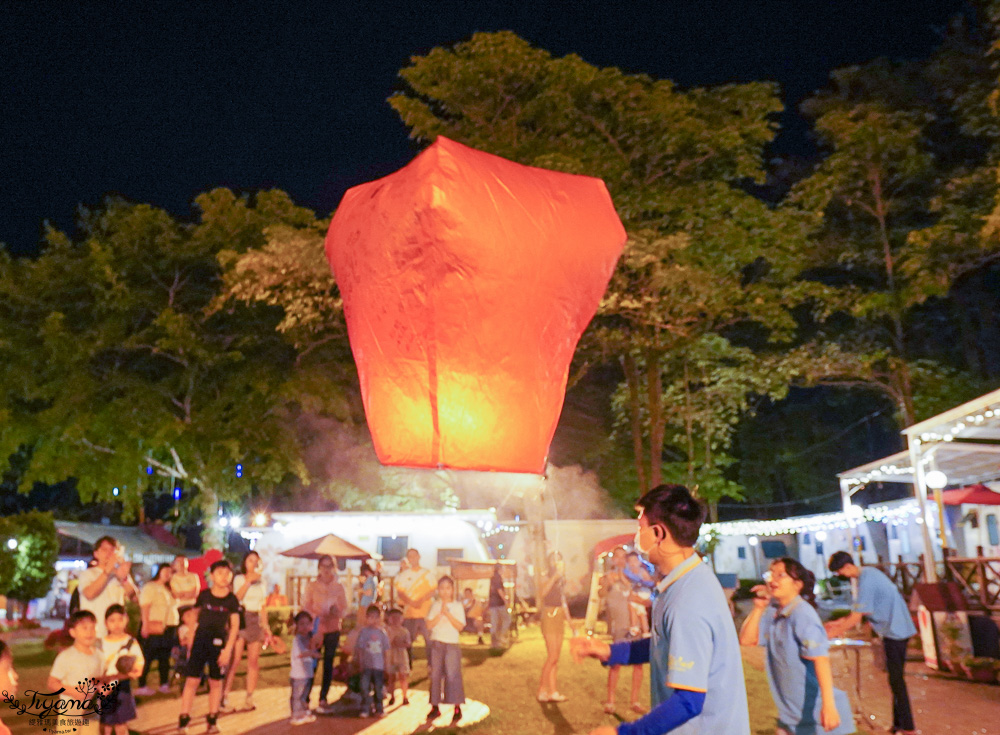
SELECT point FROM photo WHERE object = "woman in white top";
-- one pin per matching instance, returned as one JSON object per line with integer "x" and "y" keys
{"x": 251, "y": 591}
{"x": 158, "y": 628}
{"x": 444, "y": 620}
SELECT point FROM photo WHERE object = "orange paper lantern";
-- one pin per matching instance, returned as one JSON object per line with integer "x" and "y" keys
{"x": 467, "y": 281}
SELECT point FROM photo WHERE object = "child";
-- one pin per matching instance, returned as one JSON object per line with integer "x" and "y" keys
{"x": 123, "y": 660}
{"x": 80, "y": 662}
{"x": 397, "y": 666}
{"x": 8, "y": 678}
{"x": 444, "y": 620}
{"x": 303, "y": 669}
{"x": 185, "y": 637}
{"x": 372, "y": 652}
{"x": 212, "y": 645}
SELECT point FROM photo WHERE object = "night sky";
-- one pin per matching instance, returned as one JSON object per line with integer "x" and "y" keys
{"x": 161, "y": 102}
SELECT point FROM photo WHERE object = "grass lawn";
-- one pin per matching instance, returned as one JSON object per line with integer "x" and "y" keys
{"x": 507, "y": 682}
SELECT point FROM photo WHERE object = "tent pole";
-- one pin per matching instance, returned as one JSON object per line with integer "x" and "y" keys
{"x": 920, "y": 490}
{"x": 939, "y": 501}
{"x": 845, "y": 499}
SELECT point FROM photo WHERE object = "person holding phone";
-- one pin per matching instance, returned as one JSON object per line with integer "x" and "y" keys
{"x": 251, "y": 591}
{"x": 107, "y": 582}
{"x": 554, "y": 615}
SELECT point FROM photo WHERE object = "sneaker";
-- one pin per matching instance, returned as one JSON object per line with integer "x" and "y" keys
{"x": 248, "y": 704}
{"x": 144, "y": 692}
{"x": 226, "y": 705}
{"x": 405, "y": 701}
{"x": 365, "y": 714}
{"x": 307, "y": 718}
{"x": 324, "y": 708}
{"x": 434, "y": 713}
{"x": 212, "y": 729}
{"x": 182, "y": 724}
{"x": 392, "y": 699}
{"x": 164, "y": 689}
{"x": 458, "y": 715}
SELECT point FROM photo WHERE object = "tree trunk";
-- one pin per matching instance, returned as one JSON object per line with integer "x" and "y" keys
{"x": 900, "y": 369}
{"x": 904, "y": 384}
{"x": 212, "y": 536}
{"x": 654, "y": 390}
{"x": 632, "y": 380}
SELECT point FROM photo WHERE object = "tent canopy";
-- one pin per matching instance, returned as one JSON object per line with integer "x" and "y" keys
{"x": 972, "y": 495}
{"x": 329, "y": 545}
{"x": 135, "y": 541}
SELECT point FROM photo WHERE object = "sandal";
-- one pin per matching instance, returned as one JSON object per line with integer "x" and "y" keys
{"x": 609, "y": 708}
{"x": 542, "y": 697}
{"x": 557, "y": 697}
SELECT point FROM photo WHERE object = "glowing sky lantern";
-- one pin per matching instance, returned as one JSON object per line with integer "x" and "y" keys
{"x": 467, "y": 281}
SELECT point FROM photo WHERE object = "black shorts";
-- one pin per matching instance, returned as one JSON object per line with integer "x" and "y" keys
{"x": 205, "y": 650}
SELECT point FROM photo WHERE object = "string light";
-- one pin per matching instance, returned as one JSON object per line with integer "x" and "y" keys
{"x": 823, "y": 522}
{"x": 959, "y": 427}
{"x": 491, "y": 530}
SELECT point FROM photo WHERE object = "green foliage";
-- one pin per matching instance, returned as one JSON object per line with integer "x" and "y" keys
{"x": 27, "y": 572}
{"x": 122, "y": 355}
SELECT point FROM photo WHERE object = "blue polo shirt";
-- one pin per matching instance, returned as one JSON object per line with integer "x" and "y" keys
{"x": 694, "y": 646}
{"x": 794, "y": 637}
{"x": 879, "y": 599}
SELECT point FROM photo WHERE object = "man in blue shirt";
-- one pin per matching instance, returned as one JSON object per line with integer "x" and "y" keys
{"x": 879, "y": 599}
{"x": 696, "y": 671}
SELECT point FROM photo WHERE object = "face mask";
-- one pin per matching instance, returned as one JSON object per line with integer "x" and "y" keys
{"x": 638, "y": 540}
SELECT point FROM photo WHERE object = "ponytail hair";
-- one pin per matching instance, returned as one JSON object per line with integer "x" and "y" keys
{"x": 799, "y": 573}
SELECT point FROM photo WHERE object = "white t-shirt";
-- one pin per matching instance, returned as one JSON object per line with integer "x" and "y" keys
{"x": 444, "y": 631}
{"x": 187, "y": 582}
{"x": 112, "y": 594}
{"x": 162, "y": 605}
{"x": 114, "y": 650}
{"x": 254, "y": 598}
{"x": 72, "y": 666}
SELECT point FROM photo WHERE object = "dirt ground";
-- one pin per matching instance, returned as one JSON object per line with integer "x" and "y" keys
{"x": 941, "y": 703}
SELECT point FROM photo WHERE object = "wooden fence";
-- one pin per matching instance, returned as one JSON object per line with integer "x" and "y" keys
{"x": 979, "y": 577}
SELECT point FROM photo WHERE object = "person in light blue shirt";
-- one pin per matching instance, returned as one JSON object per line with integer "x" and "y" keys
{"x": 785, "y": 622}
{"x": 696, "y": 670}
{"x": 881, "y": 602}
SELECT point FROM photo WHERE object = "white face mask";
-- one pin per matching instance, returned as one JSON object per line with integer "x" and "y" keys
{"x": 639, "y": 545}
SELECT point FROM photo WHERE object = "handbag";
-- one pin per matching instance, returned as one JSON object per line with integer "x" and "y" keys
{"x": 126, "y": 663}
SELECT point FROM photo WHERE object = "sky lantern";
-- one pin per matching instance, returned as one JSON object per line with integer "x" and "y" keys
{"x": 467, "y": 281}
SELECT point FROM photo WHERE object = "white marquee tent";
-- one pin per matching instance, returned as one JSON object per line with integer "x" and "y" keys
{"x": 958, "y": 447}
